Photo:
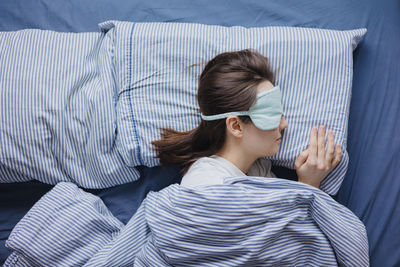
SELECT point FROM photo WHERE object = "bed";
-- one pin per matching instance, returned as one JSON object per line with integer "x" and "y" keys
{"x": 370, "y": 188}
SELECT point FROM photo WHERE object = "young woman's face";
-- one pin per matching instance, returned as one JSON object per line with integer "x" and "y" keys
{"x": 263, "y": 142}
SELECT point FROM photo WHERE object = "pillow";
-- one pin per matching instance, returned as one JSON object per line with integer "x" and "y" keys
{"x": 57, "y": 109}
{"x": 313, "y": 68}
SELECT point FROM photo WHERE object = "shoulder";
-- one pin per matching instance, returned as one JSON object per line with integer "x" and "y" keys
{"x": 203, "y": 171}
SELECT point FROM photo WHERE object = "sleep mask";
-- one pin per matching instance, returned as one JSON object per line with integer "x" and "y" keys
{"x": 266, "y": 113}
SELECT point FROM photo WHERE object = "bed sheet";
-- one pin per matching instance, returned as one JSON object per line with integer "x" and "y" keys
{"x": 371, "y": 188}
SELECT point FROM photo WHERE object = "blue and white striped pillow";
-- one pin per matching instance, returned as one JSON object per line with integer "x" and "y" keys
{"x": 313, "y": 67}
{"x": 57, "y": 109}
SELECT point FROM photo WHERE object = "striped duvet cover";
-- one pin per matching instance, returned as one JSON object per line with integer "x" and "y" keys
{"x": 247, "y": 221}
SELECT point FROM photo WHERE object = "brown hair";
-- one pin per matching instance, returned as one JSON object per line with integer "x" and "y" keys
{"x": 227, "y": 83}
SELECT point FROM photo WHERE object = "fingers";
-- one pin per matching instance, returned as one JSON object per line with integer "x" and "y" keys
{"x": 321, "y": 143}
{"x": 338, "y": 155}
{"x": 301, "y": 158}
{"x": 316, "y": 150}
{"x": 330, "y": 150}
{"x": 313, "y": 145}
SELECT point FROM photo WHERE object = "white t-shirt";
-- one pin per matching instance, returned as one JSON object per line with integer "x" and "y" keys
{"x": 213, "y": 170}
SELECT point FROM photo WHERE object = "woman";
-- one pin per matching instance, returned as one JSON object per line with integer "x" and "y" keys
{"x": 242, "y": 122}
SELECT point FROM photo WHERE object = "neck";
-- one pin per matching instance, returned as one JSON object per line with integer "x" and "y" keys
{"x": 238, "y": 158}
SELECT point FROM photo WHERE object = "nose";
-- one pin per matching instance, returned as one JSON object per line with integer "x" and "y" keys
{"x": 283, "y": 123}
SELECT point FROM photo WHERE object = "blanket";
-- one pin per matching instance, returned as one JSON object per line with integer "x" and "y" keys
{"x": 252, "y": 221}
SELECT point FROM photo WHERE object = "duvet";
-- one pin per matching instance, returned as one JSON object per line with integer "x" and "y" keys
{"x": 252, "y": 221}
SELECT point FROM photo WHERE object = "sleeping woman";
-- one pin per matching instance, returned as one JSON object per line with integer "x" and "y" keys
{"x": 242, "y": 122}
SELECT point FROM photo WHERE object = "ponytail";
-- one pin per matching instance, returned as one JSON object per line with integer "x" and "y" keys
{"x": 184, "y": 148}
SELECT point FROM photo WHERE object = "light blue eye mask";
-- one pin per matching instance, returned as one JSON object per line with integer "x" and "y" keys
{"x": 266, "y": 113}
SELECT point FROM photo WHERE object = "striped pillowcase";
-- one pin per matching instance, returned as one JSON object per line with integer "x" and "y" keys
{"x": 57, "y": 109}
{"x": 313, "y": 68}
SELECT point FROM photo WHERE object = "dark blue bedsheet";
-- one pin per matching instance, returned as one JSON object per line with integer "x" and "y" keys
{"x": 371, "y": 188}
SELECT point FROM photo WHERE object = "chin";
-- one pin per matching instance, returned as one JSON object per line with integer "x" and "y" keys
{"x": 274, "y": 153}
{"x": 269, "y": 154}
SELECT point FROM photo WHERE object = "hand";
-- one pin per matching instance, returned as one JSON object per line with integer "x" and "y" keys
{"x": 314, "y": 163}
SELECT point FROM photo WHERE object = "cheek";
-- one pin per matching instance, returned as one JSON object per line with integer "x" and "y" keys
{"x": 263, "y": 139}
{"x": 269, "y": 140}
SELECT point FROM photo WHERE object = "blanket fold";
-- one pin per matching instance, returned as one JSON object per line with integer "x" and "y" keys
{"x": 252, "y": 221}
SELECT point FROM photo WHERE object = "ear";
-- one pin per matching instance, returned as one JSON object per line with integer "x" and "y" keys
{"x": 234, "y": 126}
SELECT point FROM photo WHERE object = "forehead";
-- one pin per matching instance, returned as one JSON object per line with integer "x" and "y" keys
{"x": 264, "y": 86}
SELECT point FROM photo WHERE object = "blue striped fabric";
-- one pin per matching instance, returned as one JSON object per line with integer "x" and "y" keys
{"x": 58, "y": 95}
{"x": 314, "y": 69}
{"x": 248, "y": 221}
